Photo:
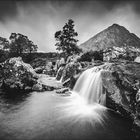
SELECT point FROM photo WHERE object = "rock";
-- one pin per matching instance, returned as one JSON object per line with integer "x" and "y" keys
{"x": 70, "y": 70}
{"x": 49, "y": 83}
{"x": 71, "y": 81}
{"x": 62, "y": 91}
{"x": 121, "y": 85}
{"x": 37, "y": 87}
{"x": 39, "y": 70}
{"x": 125, "y": 52}
{"x": 16, "y": 75}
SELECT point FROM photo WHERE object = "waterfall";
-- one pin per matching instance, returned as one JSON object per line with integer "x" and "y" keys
{"x": 57, "y": 74}
{"x": 87, "y": 100}
{"x": 89, "y": 86}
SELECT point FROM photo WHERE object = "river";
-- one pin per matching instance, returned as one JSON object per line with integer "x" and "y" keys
{"x": 36, "y": 116}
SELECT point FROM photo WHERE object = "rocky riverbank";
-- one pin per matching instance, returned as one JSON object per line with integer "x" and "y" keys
{"x": 15, "y": 75}
{"x": 121, "y": 84}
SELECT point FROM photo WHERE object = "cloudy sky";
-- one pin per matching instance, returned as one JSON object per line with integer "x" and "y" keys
{"x": 40, "y": 19}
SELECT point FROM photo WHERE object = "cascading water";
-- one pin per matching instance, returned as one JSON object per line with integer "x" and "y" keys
{"x": 89, "y": 86}
{"x": 87, "y": 98}
{"x": 57, "y": 74}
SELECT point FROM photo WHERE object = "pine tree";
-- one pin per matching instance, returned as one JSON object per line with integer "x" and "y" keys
{"x": 66, "y": 41}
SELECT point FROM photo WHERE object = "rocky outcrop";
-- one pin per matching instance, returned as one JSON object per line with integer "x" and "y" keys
{"x": 125, "y": 52}
{"x": 15, "y": 75}
{"x": 69, "y": 72}
{"x": 121, "y": 84}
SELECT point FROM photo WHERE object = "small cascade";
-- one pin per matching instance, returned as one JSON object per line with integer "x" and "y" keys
{"x": 87, "y": 101}
{"x": 61, "y": 79}
{"x": 58, "y": 75}
{"x": 89, "y": 86}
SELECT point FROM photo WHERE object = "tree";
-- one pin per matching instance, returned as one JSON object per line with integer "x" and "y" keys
{"x": 21, "y": 44}
{"x": 31, "y": 47}
{"x": 66, "y": 41}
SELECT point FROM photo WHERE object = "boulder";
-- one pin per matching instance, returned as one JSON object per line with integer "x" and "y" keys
{"x": 70, "y": 70}
{"x": 121, "y": 84}
{"x": 62, "y": 91}
{"x": 15, "y": 75}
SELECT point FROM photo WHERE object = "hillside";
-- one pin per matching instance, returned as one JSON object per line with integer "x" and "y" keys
{"x": 114, "y": 35}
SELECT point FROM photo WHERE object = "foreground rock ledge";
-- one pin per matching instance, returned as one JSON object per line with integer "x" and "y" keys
{"x": 15, "y": 75}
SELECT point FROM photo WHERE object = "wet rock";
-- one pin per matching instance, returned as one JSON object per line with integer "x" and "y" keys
{"x": 37, "y": 87}
{"x": 41, "y": 87}
{"x": 121, "y": 85}
{"x": 70, "y": 70}
{"x": 70, "y": 82}
{"x": 63, "y": 90}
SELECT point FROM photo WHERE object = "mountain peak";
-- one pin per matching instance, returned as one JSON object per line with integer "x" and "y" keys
{"x": 116, "y": 25}
{"x": 114, "y": 35}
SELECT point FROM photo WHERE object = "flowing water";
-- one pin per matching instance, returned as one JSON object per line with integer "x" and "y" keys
{"x": 41, "y": 116}
{"x": 89, "y": 86}
{"x": 50, "y": 116}
{"x": 58, "y": 73}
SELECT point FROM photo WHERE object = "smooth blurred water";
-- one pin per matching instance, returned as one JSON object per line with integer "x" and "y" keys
{"x": 43, "y": 116}
{"x": 89, "y": 86}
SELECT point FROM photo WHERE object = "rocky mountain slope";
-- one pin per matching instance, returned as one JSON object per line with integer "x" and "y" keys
{"x": 114, "y": 35}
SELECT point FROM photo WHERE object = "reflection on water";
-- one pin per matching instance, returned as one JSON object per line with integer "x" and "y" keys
{"x": 41, "y": 116}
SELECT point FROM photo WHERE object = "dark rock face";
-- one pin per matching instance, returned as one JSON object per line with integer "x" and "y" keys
{"x": 121, "y": 84}
{"x": 70, "y": 70}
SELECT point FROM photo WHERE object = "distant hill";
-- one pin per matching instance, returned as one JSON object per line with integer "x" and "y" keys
{"x": 114, "y": 35}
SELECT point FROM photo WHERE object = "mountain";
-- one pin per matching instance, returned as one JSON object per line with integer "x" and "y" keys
{"x": 114, "y": 35}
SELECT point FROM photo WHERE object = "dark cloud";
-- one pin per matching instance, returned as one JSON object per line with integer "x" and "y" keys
{"x": 40, "y": 19}
{"x": 7, "y": 8}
